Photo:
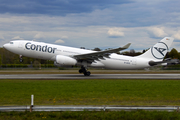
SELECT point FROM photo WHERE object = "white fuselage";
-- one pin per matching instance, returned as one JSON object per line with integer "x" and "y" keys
{"x": 47, "y": 51}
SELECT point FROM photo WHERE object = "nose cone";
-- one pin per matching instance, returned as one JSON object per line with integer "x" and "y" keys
{"x": 5, "y": 46}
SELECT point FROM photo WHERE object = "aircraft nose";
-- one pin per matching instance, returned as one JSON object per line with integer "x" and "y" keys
{"x": 5, "y": 46}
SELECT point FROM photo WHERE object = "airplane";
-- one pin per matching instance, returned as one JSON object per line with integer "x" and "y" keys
{"x": 70, "y": 56}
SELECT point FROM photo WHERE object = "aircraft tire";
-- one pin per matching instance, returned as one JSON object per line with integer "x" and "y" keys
{"x": 21, "y": 60}
{"x": 80, "y": 71}
{"x": 87, "y": 73}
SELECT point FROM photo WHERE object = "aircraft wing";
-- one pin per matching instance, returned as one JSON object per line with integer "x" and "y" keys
{"x": 90, "y": 57}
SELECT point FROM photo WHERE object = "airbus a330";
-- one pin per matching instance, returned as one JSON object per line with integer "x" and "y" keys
{"x": 69, "y": 56}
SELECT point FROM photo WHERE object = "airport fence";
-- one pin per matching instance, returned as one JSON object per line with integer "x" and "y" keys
{"x": 88, "y": 108}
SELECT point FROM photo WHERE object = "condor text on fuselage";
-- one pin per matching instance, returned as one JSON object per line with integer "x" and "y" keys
{"x": 35, "y": 47}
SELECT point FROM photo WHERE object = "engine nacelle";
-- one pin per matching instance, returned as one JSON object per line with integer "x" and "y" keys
{"x": 62, "y": 60}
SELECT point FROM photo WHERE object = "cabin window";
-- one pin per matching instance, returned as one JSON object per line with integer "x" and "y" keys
{"x": 11, "y": 42}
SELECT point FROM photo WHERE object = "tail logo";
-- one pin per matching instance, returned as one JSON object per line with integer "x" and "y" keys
{"x": 159, "y": 50}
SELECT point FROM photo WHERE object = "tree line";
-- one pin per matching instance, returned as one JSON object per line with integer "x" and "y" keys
{"x": 9, "y": 59}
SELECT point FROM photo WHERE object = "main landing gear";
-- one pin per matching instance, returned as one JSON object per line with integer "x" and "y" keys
{"x": 84, "y": 71}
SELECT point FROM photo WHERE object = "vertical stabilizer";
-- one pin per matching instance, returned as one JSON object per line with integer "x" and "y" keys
{"x": 159, "y": 50}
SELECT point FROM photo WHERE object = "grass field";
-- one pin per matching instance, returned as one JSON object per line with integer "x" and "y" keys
{"x": 87, "y": 115}
{"x": 90, "y": 92}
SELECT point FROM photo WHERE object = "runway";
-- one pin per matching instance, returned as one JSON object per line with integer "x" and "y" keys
{"x": 93, "y": 76}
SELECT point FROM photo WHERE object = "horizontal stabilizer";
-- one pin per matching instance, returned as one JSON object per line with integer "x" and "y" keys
{"x": 168, "y": 61}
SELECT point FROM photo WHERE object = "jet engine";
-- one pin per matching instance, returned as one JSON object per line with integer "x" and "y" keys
{"x": 62, "y": 60}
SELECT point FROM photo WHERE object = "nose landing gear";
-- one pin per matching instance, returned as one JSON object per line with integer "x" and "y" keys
{"x": 20, "y": 58}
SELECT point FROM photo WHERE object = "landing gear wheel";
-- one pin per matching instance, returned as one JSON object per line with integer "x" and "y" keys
{"x": 80, "y": 71}
{"x": 87, "y": 73}
{"x": 21, "y": 60}
{"x": 84, "y": 71}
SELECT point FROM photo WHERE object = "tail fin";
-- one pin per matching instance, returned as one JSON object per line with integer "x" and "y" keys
{"x": 159, "y": 50}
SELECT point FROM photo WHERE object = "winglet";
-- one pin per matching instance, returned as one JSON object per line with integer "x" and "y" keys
{"x": 126, "y": 46}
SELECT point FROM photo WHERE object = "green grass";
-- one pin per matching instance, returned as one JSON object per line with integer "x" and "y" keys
{"x": 92, "y": 115}
{"x": 90, "y": 92}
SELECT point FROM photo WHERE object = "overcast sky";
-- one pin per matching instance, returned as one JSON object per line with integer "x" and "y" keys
{"x": 91, "y": 23}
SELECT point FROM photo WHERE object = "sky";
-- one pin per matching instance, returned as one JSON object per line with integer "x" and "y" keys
{"x": 91, "y": 23}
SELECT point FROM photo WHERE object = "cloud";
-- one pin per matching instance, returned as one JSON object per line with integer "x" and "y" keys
{"x": 156, "y": 32}
{"x": 64, "y": 37}
{"x": 177, "y": 35}
{"x": 115, "y": 32}
{"x": 1, "y": 37}
{"x": 39, "y": 35}
{"x": 17, "y": 38}
{"x": 88, "y": 23}
{"x": 59, "y": 41}
{"x": 55, "y": 7}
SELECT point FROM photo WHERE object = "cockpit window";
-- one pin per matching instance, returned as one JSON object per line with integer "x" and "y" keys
{"x": 11, "y": 42}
